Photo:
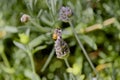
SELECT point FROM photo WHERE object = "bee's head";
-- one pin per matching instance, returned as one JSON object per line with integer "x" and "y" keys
{"x": 57, "y": 33}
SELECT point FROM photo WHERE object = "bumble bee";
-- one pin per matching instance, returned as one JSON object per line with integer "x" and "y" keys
{"x": 57, "y": 32}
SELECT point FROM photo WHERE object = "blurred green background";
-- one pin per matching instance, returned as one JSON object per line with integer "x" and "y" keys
{"x": 27, "y": 49}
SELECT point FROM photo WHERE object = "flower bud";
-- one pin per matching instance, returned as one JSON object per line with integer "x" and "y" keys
{"x": 24, "y": 18}
{"x": 24, "y": 38}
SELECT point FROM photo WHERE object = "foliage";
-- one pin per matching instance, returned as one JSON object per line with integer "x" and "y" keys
{"x": 27, "y": 48}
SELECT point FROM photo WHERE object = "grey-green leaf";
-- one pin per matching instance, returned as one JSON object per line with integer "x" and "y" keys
{"x": 39, "y": 48}
{"x": 89, "y": 41}
{"x": 11, "y": 29}
{"x": 37, "y": 41}
{"x": 33, "y": 76}
{"x": 19, "y": 45}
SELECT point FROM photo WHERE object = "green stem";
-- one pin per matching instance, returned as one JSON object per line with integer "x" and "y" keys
{"x": 31, "y": 60}
{"x": 5, "y": 59}
{"x": 113, "y": 77}
{"x": 30, "y": 54}
{"x": 83, "y": 49}
{"x": 67, "y": 64}
{"x": 48, "y": 61}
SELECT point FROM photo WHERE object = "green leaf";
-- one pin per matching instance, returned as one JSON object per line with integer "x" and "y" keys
{"x": 11, "y": 29}
{"x": 7, "y": 69}
{"x": 1, "y": 47}
{"x": 19, "y": 45}
{"x": 37, "y": 41}
{"x": 82, "y": 77}
{"x": 89, "y": 41}
{"x": 33, "y": 76}
{"x": 67, "y": 32}
{"x": 39, "y": 48}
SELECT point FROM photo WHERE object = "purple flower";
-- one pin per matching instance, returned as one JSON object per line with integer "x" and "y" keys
{"x": 65, "y": 14}
{"x": 61, "y": 47}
